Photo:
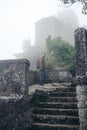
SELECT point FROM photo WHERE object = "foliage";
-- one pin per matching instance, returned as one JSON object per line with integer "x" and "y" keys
{"x": 60, "y": 55}
{"x": 84, "y": 3}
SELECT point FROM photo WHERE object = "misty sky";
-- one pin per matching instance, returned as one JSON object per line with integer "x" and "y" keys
{"x": 17, "y": 18}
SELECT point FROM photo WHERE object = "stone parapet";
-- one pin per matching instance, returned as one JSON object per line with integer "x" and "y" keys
{"x": 13, "y": 76}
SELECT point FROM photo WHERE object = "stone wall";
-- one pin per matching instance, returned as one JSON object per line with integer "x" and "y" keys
{"x": 31, "y": 78}
{"x": 15, "y": 104}
{"x": 58, "y": 76}
{"x": 82, "y": 105}
{"x": 15, "y": 113}
{"x": 52, "y": 76}
{"x": 13, "y": 76}
{"x": 81, "y": 75}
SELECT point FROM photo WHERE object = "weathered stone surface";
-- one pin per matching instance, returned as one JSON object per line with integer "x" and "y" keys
{"x": 80, "y": 43}
{"x": 81, "y": 75}
{"x": 31, "y": 78}
{"x": 55, "y": 76}
{"x": 15, "y": 113}
{"x": 81, "y": 80}
{"x": 83, "y": 119}
{"x": 56, "y": 119}
{"x": 13, "y": 76}
{"x": 55, "y": 114}
{"x": 65, "y": 76}
{"x": 52, "y": 76}
{"x": 82, "y": 96}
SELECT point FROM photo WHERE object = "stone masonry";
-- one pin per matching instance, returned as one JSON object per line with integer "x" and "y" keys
{"x": 15, "y": 113}
{"x": 13, "y": 76}
{"x": 81, "y": 75}
{"x": 15, "y": 109}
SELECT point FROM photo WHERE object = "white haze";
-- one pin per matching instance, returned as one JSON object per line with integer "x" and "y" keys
{"x": 17, "y": 18}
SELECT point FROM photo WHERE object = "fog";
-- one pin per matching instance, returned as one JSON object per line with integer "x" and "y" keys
{"x": 59, "y": 25}
{"x": 17, "y": 22}
{"x": 17, "y": 18}
{"x": 70, "y": 23}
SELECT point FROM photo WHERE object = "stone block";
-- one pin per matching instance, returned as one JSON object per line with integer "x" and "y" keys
{"x": 65, "y": 76}
{"x": 13, "y": 76}
{"x": 81, "y": 51}
{"x": 83, "y": 118}
{"x": 15, "y": 113}
{"x": 82, "y": 105}
{"x": 82, "y": 96}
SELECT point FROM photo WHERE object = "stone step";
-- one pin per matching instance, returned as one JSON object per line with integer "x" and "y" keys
{"x": 64, "y": 94}
{"x": 44, "y": 126}
{"x": 62, "y": 99}
{"x": 55, "y": 109}
{"x": 66, "y": 89}
{"x": 52, "y": 111}
{"x": 68, "y": 105}
{"x": 56, "y": 119}
{"x": 56, "y": 99}
{"x": 57, "y": 90}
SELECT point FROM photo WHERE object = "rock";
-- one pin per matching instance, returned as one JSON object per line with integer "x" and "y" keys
{"x": 65, "y": 76}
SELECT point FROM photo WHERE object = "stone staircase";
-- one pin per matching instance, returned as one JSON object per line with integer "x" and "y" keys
{"x": 55, "y": 109}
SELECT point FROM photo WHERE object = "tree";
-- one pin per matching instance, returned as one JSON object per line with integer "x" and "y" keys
{"x": 61, "y": 55}
{"x": 84, "y": 3}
